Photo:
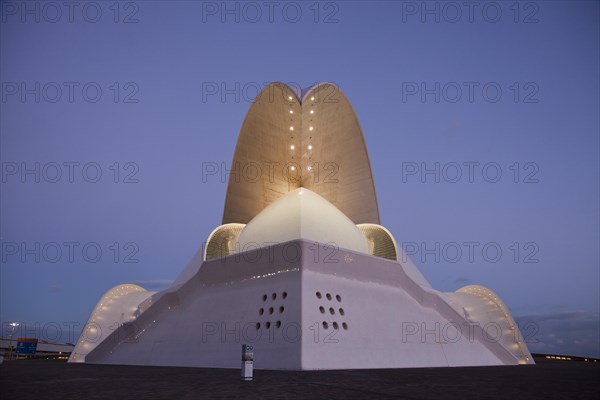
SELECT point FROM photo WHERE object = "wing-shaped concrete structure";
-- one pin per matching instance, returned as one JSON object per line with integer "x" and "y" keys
{"x": 301, "y": 268}
{"x": 287, "y": 142}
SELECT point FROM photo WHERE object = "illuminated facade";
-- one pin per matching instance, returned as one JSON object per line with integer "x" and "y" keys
{"x": 301, "y": 268}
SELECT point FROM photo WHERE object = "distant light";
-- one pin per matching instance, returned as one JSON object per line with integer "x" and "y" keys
{"x": 291, "y": 111}
{"x": 290, "y": 97}
{"x": 310, "y": 146}
{"x": 312, "y": 111}
{"x": 292, "y": 147}
{"x": 312, "y": 98}
{"x": 309, "y": 168}
{"x": 291, "y": 128}
{"x": 310, "y": 128}
{"x": 293, "y": 168}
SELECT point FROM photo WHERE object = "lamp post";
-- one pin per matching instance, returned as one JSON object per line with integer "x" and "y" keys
{"x": 13, "y": 325}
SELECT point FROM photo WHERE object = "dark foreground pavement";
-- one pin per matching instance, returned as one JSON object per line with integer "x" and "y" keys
{"x": 40, "y": 380}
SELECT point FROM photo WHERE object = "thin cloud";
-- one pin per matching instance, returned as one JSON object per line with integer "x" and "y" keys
{"x": 461, "y": 280}
{"x": 561, "y": 316}
{"x": 154, "y": 284}
{"x": 570, "y": 332}
{"x": 56, "y": 288}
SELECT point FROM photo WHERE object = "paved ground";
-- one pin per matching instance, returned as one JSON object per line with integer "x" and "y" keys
{"x": 35, "y": 379}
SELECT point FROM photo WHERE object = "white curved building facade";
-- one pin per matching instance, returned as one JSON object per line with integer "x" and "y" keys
{"x": 301, "y": 269}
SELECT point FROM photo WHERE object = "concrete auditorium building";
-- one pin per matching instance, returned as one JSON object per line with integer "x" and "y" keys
{"x": 301, "y": 268}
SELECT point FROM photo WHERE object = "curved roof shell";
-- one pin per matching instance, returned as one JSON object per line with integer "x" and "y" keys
{"x": 287, "y": 142}
{"x": 302, "y": 214}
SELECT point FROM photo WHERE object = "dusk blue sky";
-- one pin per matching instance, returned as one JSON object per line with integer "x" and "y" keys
{"x": 167, "y": 126}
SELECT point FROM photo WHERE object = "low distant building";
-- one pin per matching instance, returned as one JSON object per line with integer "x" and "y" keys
{"x": 43, "y": 349}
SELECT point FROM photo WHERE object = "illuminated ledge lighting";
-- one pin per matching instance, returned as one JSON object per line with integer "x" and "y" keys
{"x": 559, "y": 357}
{"x": 567, "y": 358}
